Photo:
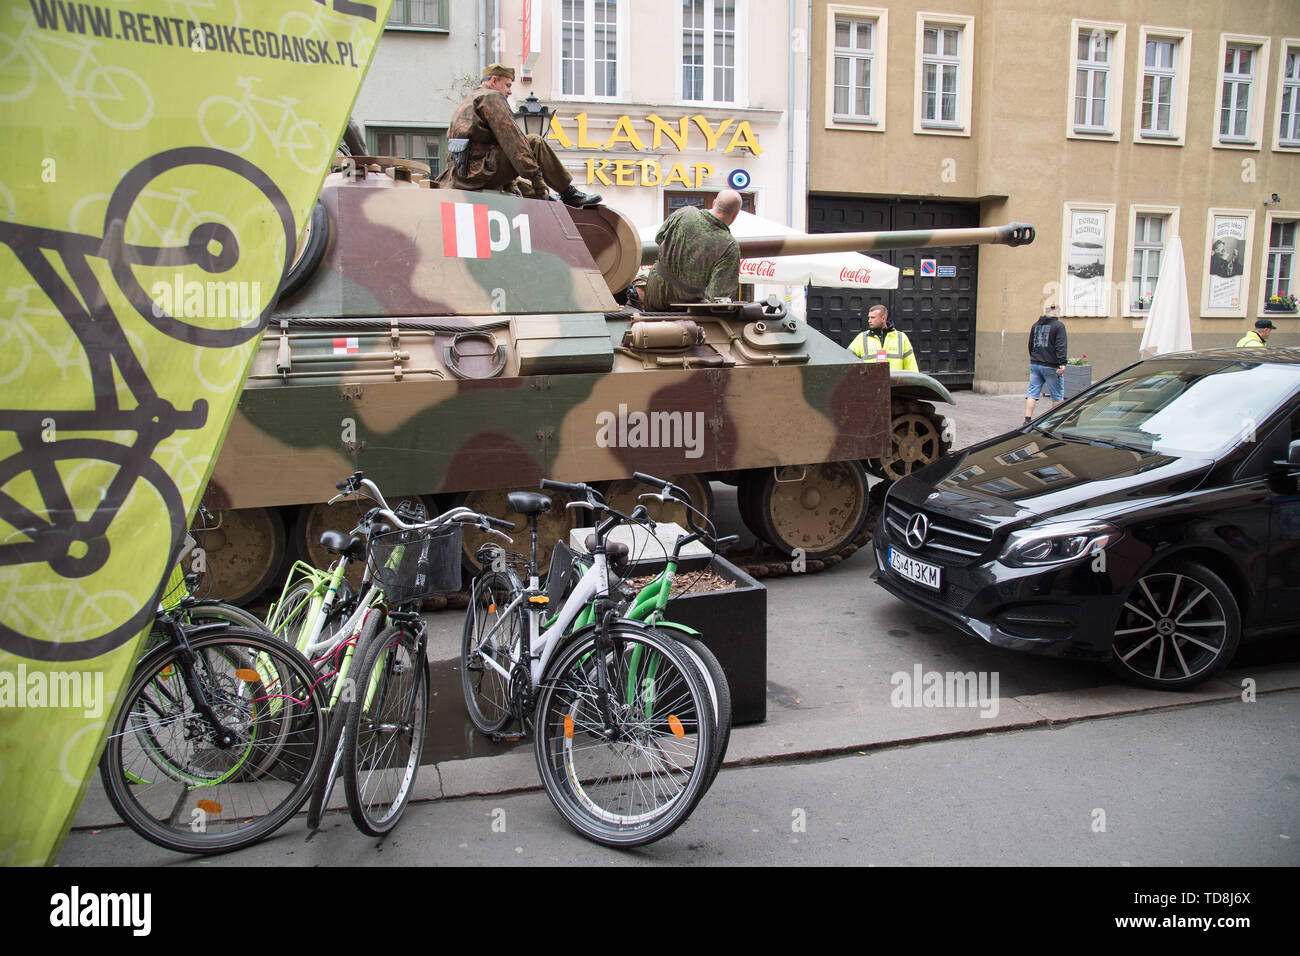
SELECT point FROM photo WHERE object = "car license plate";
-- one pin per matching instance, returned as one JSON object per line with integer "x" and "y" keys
{"x": 927, "y": 575}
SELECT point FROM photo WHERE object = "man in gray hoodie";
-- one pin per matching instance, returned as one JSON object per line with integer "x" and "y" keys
{"x": 1047, "y": 354}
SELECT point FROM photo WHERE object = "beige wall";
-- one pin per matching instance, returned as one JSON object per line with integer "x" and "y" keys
{"x": 1019, "y": 163}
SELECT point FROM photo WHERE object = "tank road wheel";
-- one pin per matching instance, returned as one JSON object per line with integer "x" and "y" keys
{"x": 553, "y": 526}
{"x": 622, "y": 495}
{"x": 917, "y": 440}
{"x": 818, "y": 508}
{"x": 242, "y": 553}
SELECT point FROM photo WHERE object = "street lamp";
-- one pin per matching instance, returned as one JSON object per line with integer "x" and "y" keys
{"x": 533, "y": 117}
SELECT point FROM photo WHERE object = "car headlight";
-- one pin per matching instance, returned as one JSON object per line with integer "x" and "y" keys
{"x": 1057, "y": 543}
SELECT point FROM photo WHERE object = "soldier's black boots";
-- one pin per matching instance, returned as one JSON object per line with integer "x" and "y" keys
{"x": 573, "y": 196}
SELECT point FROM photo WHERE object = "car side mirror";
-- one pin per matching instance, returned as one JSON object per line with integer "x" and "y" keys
{"x": 1292, "y": 462}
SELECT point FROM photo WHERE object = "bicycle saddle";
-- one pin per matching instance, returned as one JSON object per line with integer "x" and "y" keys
{"x": 336, "y": 542}
{"x": 615, "y": 552}
{"x": 528, "y": 503}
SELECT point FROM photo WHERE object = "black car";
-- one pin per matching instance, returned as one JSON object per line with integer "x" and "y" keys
{"x": 1153, "y": 521}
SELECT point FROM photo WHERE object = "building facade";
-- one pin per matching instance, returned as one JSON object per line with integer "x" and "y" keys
{"x": 1111, "y": 134}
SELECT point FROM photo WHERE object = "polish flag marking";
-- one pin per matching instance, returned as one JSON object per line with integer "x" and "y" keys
{"x": 465, "y": 230}
{"x": 346, "y": 346}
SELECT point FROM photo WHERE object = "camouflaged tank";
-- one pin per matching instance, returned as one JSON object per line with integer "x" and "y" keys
{"x": 462, "y": 345}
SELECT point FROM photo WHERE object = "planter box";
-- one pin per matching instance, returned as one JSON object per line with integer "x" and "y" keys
{"x": 733, "y": 624}
{"x": 1076, "y": 379}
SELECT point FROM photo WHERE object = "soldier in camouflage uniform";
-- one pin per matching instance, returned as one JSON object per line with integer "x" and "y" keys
{"x": 699, "y": 258}
{"x": 497, "y": 153}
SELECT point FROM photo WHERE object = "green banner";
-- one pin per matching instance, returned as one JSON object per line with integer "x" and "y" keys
{"x": 162, "y": 156}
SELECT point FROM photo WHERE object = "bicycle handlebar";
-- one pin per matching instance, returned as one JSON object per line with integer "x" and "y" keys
{"x": 460, "y": 514}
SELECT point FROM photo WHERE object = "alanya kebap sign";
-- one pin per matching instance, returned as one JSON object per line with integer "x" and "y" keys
{"x": 650, "y": 172}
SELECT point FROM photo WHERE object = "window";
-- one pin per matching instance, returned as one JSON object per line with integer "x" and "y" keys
{"x": 944, "y": 73}
{"x": 1096, "y": 79}
{"x": 939, "y": 72}
{"x": 1149, "y": 231}
{"x": 857, "y": 38}
{"x": 1158, "y": 87}
{"x": 1288, "y": 98}
{"x": 1240, "y": 119}
{"x": 1238, "y": 76}
{"x": 1280, "y": 265}
{"x": 589, "y": 42}
{"x": 422, "y": 145}
{"x": 429, "y": 14}
{"x": 853, "y": 60}
{"x": 1162, "y": 92}
{"x": 709, "y": 50}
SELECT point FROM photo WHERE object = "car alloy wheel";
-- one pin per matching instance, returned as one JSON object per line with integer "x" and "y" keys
{"x": 1178, "y": 627}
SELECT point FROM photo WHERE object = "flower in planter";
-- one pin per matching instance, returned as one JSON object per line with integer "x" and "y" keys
{"x": 1144, "y": 302}
{"x": 1081, "y": 360}
{"x": 1281, "y": 302}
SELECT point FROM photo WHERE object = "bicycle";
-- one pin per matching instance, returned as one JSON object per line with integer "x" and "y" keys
{"x": 649, "y": 604}
{"x": 377, "y": 712}
{"x": 623, "y": 721}
{"x": 218, "y": 741}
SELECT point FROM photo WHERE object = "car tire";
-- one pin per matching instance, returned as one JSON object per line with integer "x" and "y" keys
{"x": 1179, "y": 626}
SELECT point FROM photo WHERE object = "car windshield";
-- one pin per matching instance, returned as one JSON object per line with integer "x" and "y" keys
{"x": 1177, "y": 407}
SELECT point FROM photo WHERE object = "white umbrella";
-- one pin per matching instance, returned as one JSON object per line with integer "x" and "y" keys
{"x": 845, "y": 270}
{"x": 1169, "y": 323}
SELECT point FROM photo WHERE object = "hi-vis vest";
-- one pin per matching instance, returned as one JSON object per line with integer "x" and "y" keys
{"x": 896, "y": 350}
{"x": 1250, "y": 340}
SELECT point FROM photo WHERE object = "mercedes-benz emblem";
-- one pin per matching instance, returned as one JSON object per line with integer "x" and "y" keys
{"x": 918, "y": 529}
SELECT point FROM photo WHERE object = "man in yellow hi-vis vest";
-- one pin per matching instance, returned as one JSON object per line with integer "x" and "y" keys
{"x": 1257, "y": 338}
{"x": 881, "y": 342}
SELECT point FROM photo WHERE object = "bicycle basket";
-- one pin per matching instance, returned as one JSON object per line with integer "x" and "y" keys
{"x": 413, "y": 565}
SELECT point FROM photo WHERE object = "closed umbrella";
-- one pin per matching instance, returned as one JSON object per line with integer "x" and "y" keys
{"x": 1169, "y": 323}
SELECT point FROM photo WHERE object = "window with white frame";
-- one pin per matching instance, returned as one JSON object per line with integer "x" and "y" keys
{"x": 709, "y": 50}
{"x": 1159, "y": 72}
{"x": 1093, "y": 58}
{"x": 1149, "y": 232}
{"x": 420, "y": 144}
{"x": 1288, "y": 124}
{"x": 940, "y": 74}
{"x": 1238, "y": 85}
{"x": 1280, "y": 265}
{"x": 589, "y": 48}
{"x": 854, "y": 68}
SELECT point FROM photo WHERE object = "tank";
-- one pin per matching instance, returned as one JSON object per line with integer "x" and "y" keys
{"x": 461, "y": 345}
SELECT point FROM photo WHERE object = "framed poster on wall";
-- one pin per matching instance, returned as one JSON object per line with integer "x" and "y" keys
{"x": 1227, "y": 262}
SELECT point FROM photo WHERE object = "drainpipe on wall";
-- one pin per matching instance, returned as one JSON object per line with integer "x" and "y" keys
{"x": 482, "y": 36}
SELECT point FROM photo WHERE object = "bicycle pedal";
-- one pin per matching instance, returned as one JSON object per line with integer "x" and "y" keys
{"x": 507, "y": 738}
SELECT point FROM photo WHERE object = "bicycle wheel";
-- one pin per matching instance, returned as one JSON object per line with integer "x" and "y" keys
{"x": 385, "y": 731}
{"x": 719, "y": 691}
{"x": 338, "y": 710}
{"x": 632, "y": 774}
{"x": 188, "y": 785}
{"x": 287, "y": 618}
{"x": 489, "y": 635}
{"x": 202, "y": 614}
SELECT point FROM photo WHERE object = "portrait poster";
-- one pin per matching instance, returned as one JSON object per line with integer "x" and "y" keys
{"x": 1226, "y": 265}
{"x": 1086, "y": 252}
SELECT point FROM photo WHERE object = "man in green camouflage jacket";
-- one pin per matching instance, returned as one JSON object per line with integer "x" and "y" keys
{"x": 699, "y": 258}
{"x": 495, "y": 152}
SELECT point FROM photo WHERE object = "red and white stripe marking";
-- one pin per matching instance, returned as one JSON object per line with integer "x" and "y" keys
{"x": 465, "y": 230}
{"x": 346, "y": 346}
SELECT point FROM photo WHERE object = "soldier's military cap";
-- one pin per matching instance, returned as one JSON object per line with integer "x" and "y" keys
{"x": 498, "y": 69}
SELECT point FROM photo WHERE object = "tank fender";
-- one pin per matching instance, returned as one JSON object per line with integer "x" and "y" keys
{"x": 920, "y": 386}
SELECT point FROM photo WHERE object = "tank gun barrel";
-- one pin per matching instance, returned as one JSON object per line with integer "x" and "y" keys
{"x": 756, "y": 247}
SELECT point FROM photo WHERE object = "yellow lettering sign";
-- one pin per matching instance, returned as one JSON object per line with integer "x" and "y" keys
{"x": 702, "y": 172}
{"x": 583, "y": 142}
{"x": 624, "y": 133}
{"x": 557, "y": 133}
{"x": 743, "y": 138}
{"x": 677, "y": 175}
{"x": 595, "y": 171}
{"x": 710, "y": 136}
{"x": 624, "y": 172}
{"x": 662, "y": 129}
{"x": 646, "y": 166}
